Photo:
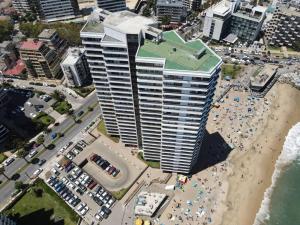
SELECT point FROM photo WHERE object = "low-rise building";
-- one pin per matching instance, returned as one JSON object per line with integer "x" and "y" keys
{"x": 284, "y": 28}
{"x": 75, "y": 68}
{"x": 148, "y": 203}
{"x": 8, "y": 55}
{"x": 41, "y": 61}
{"x": 175, "y": 10}
{"x": 262, "y": 77}
{"x": 53, "y": 40}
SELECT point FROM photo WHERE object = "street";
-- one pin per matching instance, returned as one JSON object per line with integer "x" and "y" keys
{"x": 8, "y": 188}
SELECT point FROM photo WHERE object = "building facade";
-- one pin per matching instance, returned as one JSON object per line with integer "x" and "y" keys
{"x": 284, "y": 28}
{"x": 41, "y": 61}
{"x": 75, "y": 68}
{"x": 155, "y": 89}
{"x": 8, "y": 55}
{"x": 112, "y": 5}
{"x": 55, "y": 10}
{"x": 217, "y": 21}
{"x": 4, "y": 220}
{"x": 22, "y": 6}
{"x": 246, "y": 22}
{"x": 175, "y": 10}
{"x": 53, "y": 40}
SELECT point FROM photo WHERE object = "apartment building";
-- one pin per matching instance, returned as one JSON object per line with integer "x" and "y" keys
{"x": 55, "y": 10}
{"x": 112, "y": 5}
{"x": 75, "y": 68}
{"x": 247, "y": 21}
{"x": 175, "y": 10}
{"x": 53, "y": 40}
{"x": 8, "y": 55}
{"x": 22, "y": 6}
{"x": 217, "y": 21}
{"x": 41, "y": 61}
{"x": 155, "y": 89}
{"x": 284, "y": 28}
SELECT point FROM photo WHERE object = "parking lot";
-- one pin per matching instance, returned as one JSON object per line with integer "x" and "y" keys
{"x": 128, "y": 173}
{"x": 79, "y": 190}
{"x": 23, "y": 106}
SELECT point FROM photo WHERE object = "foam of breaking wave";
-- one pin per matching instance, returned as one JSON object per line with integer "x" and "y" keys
{"x": 290, "y": 153}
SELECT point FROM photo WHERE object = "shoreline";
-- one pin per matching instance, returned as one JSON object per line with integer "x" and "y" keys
{"x": 251, "y": 171}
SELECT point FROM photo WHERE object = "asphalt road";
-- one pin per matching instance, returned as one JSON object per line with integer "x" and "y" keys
{"x": 8, "y": 188}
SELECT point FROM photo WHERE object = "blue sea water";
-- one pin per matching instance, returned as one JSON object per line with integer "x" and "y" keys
{"x": 281, "y": 204}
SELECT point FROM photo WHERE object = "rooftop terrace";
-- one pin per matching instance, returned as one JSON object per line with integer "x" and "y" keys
{"x": 180, "y": 55}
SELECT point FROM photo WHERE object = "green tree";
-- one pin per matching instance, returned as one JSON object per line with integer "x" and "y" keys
{"x": 147, "y": 12}
{"x": 40, "y": 140}
{"x": 58, "y": 96}
{"x": 90, "y": 108}
{"x": 22, "y": 154}
{"x": 2, "y": 172}
{"x": 6, "y": 29}
{"x": 166, "y": 20}
{"x": 19, "y": 185}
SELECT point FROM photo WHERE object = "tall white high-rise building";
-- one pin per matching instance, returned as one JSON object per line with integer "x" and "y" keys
{"x": 155, "y": 89}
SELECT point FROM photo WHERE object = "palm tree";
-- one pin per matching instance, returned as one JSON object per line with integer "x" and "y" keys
{"x": 22, "y": 154}
{"x": 2, "y": 171}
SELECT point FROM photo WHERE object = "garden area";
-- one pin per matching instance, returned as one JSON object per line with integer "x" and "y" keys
{"x": 119, "y": 194}
{"x": 102, "y": 129}
{"x": 2, "y": 157}
{"x": 152, "y": 164}
{"x": 62, "y": 107}
{"x": 231, "y": 70}
{"x": 41, "y": 205}
{"x": 44, "y": 119}
{"x": 83, "y": 91}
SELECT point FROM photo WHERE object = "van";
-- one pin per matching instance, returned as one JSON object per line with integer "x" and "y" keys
{"x": 32, "y": 153}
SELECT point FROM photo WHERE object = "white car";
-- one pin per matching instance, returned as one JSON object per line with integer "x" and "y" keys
{"x": 32, "y": 153}
{"x": 84, "y": 211}
{"x": 98, "y": 217}
{"x": 8, "y": 161}
{"x": 54, "y": 171}
{"x": 81, "y": 206}
{"x": 29, "y": 103}
{"x": 33, "y": 115}
{"x": 71, "y": 185}
{"x": 36, "y": 173}
{"x": 59, "y": 166}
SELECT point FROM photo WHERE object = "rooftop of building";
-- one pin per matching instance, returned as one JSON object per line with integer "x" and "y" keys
{"x": 289, "y": 11}
{"x": 169, "y": 3}
{"x": 93, "y": 26}
{"x": 180, "y": 55}
{"x": 249, "y": 12}
{"x": 5, "y": 44}
{"x": 17, "y": 70}
{"x": 148, "y": 203}
{"x": 31, "y": 45}
{"x": 263, "y": 74}
{"x": 73, "y": 55}
{"x": 47, "y": 33}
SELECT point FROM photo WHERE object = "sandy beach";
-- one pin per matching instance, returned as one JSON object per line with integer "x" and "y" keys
{"x": 251, "y": 169}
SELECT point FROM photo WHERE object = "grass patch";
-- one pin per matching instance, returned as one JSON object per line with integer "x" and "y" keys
{"x": 231, "y": 70}
{"x": 83, "y": 91}
{"x": 62, "y": 107}
{"x": 119, "y": 194}
{"x": 102, "y": 129}
{"x": 44, "y": 119}
{"x": 46, "y": 209}
{"x": 152, "y": 164}
{"x": 2, "y": 157}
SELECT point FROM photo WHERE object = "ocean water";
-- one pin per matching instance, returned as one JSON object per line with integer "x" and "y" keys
{"x": 281, "y": 203}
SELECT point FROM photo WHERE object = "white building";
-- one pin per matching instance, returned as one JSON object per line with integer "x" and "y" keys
{"x": 75, "y": 68}
{"x": 22, "y": 6}
{"x": 155, "y": 89}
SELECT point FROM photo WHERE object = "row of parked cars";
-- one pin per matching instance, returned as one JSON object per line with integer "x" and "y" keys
{"x": 105, "y": 165}
{"x": 76, "y": 149}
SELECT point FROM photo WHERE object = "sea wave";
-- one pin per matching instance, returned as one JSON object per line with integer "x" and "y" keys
{"x": 290, "y": 153}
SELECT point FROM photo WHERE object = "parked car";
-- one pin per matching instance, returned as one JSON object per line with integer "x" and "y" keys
{"x": 41, "y": 162}
{"x": 32, "y": 153}
{"x": 8, "y": 161}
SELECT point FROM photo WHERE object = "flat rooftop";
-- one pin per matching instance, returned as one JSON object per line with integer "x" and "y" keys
{"x": 47, "y": 33}
{"x": 93, "y": 26}
{"x": 262, "y": 75}
{"x": 180, "y": 55}
{"x": 31, "y": 45}
{"x": 148, "y": 203}
{"x": 170, "y": 3}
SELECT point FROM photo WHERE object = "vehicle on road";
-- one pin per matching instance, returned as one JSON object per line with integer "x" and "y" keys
{"x": 8, "y": 161}
{"x": 41, "y": 162}
{"x": 36, "y": 173}
{"x": 32, "y": 153}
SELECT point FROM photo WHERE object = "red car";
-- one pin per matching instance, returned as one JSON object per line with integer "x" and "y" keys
{"x": 92, "y": 185}
{"x": 93, "y": 157}
{"x": 111, "y": 170}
